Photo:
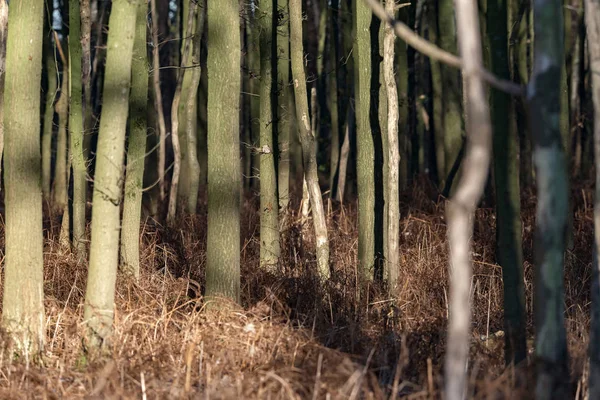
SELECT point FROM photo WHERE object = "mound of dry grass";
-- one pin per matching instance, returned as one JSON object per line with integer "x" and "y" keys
{"x": 292, "y": 339}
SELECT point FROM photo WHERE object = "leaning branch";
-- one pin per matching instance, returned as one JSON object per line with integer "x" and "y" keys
{"x": 435, "y": 53}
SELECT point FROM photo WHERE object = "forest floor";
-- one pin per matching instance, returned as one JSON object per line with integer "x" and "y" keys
{"x": 292, "y": 339}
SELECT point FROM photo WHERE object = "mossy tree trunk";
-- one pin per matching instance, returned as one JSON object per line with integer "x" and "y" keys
{"x": 76, "y": 130}
{"x": 224, "y": 174}
{"x": 509, "y": 253}
{"x": 22, "y": 305}
{"x": 104, "y": 250}
{"x": 544, "y": 96}
{"x": 269, "y": 218}
{"x": 592, "y": 21}
{"x": 365, "y": 148}
{"x": 136, "y": 149}
{"x": 307, "y": 139}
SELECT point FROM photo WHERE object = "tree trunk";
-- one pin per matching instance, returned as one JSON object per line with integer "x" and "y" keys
{"x": 284, "y": 105}
{"x": 509, "y": 253}
{"x": 543, "y": 96}
{"x": 136, "y": 149}
{"x": 461, "y": 208}
{"x": 592, "y": 21}
{"x": 175, "y": 129}
{"x": 451, "y": 94}
{"x": 332, "y": 97}
{"x": 224, "y": 174}
{"x": 104, "y": 250}
{"x": 22, "y": 305}
{"x": 269, "y": 219}
{"x": 393, "y": 172}
{"x": 76, "y": 129}
{"x": 191, "y": 113}
{"x": 59, "y": 195}
{"x": 86, "y": 76}
{"x": 3, "y": 33}
{"x": 307, "y": 139}
{"x": 51, "y": 91}
{"x": 345, "y": 154}
{"x": 365, "y": 149}
{"x": 437, "y": 98}
{"x": 158, "y": 101}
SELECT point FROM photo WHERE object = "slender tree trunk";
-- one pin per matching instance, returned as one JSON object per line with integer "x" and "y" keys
{"x": 86, "y": 76}
{"x": 307, "y": 139}
{"x": 269, "y": 219}
{"x": 253, "y": 35}
{"x": 136, "y": 150}
{"x": 551, "y": 217}
{"x": 509, "y": 252}
{"x": 401, "y": 60}
{"x": 365, "y": 149}
{"x": 175, "y": 117}
{"x": 451, "y": 93}
{"x": 191, "y": 113}
{"x": 345, "y": 155}
{"x": 22, "y": 302}
{"x": 52, "y": 75}
{"x": 393, "y": 196}
{"x": 224, "y": 174}
{"x": 188, "y": 33}
{"x": 104, "y": 250}
{"x": 284, "y": 105}
{"x": 437, "y": 97}
{"x": 332, "y": 97}
{"x": 461, "y": 208}
{"x": 76, "y": 128}
{"x": 59, "y": 195}
{"x": 592, "y": 21}
{"x": 158, "y": 102}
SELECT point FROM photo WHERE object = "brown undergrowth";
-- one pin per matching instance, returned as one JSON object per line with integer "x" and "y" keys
{"x": 292, "y": 339}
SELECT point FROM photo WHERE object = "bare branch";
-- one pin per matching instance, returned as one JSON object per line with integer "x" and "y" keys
{"x": 435, "y": 53}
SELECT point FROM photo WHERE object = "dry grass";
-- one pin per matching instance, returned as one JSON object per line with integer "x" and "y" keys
{"x": 293, "y": 339}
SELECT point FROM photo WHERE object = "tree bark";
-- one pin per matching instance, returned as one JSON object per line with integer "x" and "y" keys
{"x": 284, "y": 105}
{"x": 3, "y": 33}
{"x": 592, "y": 22}
{"x": 104, "y": 250}
{"x": 307, "y": 139}
{"x": 175, "y": 129}
{"x": 224, "y": 174}
{"x": 77, "y": 128}
{"x": 269, "y": 218}
{"x": 393, "y": 172}
{"x": 136, "y": 150}
{"x": 22, "y": 305}
{"x": 191, "y": 114}
{"x": 158, "y": 102}
{"x": 52, "y": 76}
{"x": 365, "y": 148}
{"x": 59, "y": 195}
{"x": 451, "y": 93}
{"x": 461, "y": 208}
{"x": 543, "y": 96}
{"x": 509, "y": 253}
